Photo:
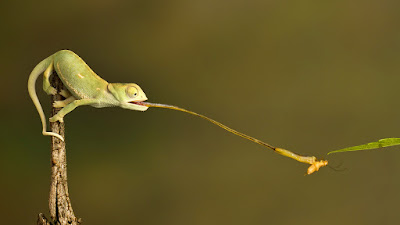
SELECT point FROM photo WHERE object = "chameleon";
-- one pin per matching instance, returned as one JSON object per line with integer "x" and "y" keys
{"x": 82, "y": 86}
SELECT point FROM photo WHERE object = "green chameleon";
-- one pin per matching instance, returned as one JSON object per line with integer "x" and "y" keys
{"x": 85, "y": 87}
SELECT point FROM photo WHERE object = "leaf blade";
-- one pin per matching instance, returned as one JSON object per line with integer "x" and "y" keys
{"x": 386, "y": 142}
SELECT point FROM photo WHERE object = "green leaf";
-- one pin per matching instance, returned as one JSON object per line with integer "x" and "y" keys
{"x": 373, "y": 145}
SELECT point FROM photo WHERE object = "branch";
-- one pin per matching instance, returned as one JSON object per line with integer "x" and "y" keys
{"x": 61, "y": 211}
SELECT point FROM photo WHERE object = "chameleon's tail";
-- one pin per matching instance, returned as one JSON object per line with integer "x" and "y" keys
{"x": 36, "y": 72}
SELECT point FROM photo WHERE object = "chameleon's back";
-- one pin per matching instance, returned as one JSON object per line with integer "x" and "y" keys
{"x": 77, "y": 76}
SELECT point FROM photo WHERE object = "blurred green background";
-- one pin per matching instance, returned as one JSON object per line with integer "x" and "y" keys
{"x": 309, "y": 76}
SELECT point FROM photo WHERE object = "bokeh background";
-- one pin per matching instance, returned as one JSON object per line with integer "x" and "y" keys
{"x": 309, "y": 76}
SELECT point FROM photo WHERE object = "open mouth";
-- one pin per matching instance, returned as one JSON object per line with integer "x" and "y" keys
{"x": 149, "y": 104}
{"x": 142, "y": 103}
{"x": 139, "y": 105}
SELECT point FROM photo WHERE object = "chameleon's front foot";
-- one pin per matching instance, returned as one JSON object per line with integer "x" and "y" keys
{"x": 63, "y": 103}
{"x": 58, "y": 104}
{"x": 57, "y": 118}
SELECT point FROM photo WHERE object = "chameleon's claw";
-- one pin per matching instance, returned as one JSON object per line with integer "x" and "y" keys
{"x": 57, "y": 118}
{"x": 63, "y": 103}
{"x": 59, "y": 104}
{"x": 51, "y": 90}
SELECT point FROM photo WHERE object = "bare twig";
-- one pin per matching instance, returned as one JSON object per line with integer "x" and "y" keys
{"x": 61, "y": 211}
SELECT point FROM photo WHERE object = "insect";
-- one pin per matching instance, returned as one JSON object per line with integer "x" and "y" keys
{"x": 85, "y": 87}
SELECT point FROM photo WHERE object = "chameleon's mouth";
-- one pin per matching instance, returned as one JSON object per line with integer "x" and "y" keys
{"x": 140, "y": 104}
{"x": 148, "y": 104}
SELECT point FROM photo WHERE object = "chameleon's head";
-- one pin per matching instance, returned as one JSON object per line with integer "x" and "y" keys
{"x": 129, "y": 95}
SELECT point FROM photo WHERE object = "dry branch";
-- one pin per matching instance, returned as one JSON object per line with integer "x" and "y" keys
{"x": 61, "y": 211}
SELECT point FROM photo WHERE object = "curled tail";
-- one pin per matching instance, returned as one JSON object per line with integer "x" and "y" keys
{"x": 36, "y": 72}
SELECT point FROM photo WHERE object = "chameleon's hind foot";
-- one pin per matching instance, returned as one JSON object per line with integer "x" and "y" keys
{"x": 46, "y": 82}
{"x": 50, "y": 90}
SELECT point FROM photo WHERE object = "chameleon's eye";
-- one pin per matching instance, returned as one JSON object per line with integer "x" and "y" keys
{"x": 132, "y": 92}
